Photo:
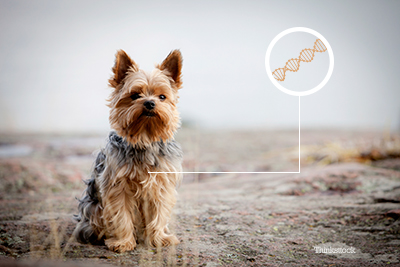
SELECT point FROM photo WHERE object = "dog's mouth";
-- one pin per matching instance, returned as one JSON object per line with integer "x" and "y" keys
{"x": 148, "y": 113}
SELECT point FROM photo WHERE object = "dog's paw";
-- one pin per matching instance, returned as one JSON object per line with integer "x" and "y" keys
{"x": 170, "y": 240}
{"x": 163, "y": 240}
{"x": 120, "y": 245}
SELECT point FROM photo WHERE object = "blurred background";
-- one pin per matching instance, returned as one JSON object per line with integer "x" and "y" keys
{"x": 56, "y": 58}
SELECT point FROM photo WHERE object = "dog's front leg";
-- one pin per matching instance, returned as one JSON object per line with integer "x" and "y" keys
{"x": 159, "y": 199}
{"x": 119, "y": 208}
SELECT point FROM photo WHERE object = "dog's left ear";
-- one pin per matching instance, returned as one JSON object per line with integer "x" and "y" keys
{"x": 123, "y": 64}
{"x": 173, "y": 66}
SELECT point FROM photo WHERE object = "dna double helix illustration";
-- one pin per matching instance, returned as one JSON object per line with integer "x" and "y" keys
{"x": 293, "y": 64}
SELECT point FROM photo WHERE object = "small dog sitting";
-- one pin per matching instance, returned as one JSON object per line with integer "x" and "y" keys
{"x": 123, "y": 201}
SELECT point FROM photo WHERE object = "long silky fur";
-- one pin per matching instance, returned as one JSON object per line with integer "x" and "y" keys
{"x": 120, "y": 158}
{"x": 123, "y": 202}
{"x": 89, "y": 205}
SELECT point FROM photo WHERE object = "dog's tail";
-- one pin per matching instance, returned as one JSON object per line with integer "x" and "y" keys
{"x": 89, "y": 228}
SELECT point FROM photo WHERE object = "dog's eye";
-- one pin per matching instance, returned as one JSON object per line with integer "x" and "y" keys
{"x": 135, "y": 96}
{"x": 162, "y": 97}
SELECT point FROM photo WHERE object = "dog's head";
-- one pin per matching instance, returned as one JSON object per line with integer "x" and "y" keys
{"x": 143, "y": 105}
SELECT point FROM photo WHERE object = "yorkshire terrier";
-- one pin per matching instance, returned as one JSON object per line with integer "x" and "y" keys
{"x": 124, "y": 199}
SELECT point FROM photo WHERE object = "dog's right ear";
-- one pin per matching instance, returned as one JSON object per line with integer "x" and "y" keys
{"x": 122, "y": 65}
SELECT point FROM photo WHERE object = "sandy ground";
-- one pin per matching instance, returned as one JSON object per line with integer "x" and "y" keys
{"x": 347, "y": 196}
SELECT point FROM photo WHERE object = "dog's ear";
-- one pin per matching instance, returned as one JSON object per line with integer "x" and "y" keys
{"x": 172, "y": 66}
{"x": 122, "y": 64}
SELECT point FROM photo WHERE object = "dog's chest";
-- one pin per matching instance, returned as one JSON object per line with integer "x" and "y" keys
{"x": 160, "y": 156}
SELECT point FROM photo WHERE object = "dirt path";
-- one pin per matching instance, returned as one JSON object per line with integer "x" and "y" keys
{"x": 228, "y": 220}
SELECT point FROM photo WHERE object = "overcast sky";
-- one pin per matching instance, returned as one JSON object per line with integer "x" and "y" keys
{"x": 56, "y": 56}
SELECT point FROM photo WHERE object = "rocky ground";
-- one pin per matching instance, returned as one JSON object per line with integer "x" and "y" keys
{"x": 347, "y": 196}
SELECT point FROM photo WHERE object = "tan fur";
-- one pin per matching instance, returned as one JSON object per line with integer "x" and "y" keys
{"x": 126, "y": 118}
{"x": 135, "y": 199}
{"x": 132, "y": 201}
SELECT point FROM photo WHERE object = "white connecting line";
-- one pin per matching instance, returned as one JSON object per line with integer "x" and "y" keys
{"x": 249, "y": 172}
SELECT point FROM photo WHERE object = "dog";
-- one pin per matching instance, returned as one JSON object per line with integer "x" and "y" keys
{"x": 124, "y": 199}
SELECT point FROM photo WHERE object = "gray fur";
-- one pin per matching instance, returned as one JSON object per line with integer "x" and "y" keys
{"x": 121, "y": 152}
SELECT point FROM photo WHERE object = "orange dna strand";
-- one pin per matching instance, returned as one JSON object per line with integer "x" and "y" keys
{"x": 293, "y": 64}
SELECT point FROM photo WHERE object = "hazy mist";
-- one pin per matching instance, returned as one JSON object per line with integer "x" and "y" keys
{"x": 56, "y": 58}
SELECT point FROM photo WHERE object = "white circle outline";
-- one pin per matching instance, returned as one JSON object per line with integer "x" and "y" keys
{"x": 268, "y": 55}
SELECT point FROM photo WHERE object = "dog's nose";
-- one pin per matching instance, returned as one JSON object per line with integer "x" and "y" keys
{"x": 149, "y": 104}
